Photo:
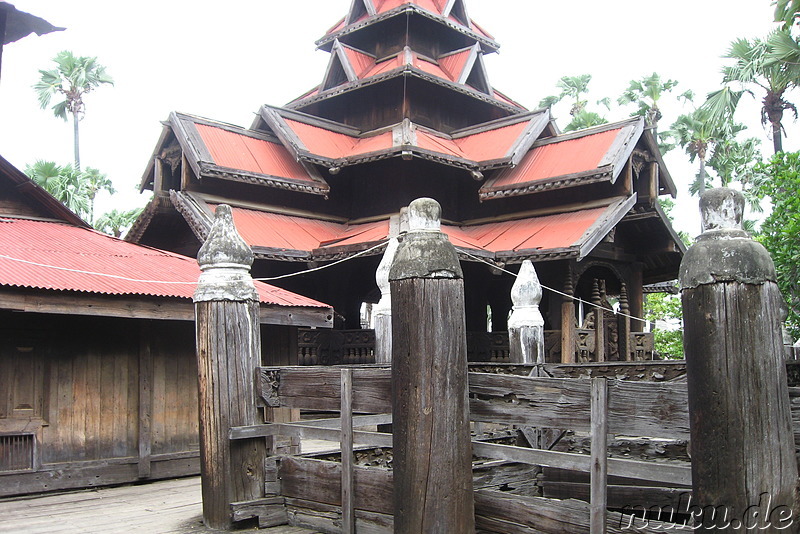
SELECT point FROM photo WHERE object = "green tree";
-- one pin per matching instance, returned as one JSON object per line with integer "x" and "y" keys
{"x": 666, "y": 312}
{"x": 71, "y": 80}
{"x": 65, "y": 183}
{"x": 786, "y": 11}
{"x": 645, "y": 94}
{"x": 755, "y": 66}
{"x": 576, "y": 88}
{"x": 779, "y": 179}
{"x": 115, "y": 222}
{"x": 96, "y": 181}
{"x": 697, "y": 134}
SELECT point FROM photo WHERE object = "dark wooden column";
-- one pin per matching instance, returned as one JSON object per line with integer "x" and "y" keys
{"x": 228, "y": 352}
{"x": 743, "y": 463}
{"x": 568, "y": 320}
{"x": 432, "y": 448}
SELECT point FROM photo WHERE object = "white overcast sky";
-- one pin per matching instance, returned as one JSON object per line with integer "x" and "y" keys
{"x": 222, "y": 60}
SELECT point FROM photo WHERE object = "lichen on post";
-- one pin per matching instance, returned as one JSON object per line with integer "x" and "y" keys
{"x": 741, "y": 437}
{"x": 228, "y": 353}
{"x": 432, "y": 448}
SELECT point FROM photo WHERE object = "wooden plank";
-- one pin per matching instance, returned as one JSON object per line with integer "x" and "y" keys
{"x": 320, "y": 481}
{"x": 599, "y": 471}
{"x": 346, "y": 446}
{"x": 145, "y": 399}
{"x": 635, "y": 408}
{"x": 667, "y": 473}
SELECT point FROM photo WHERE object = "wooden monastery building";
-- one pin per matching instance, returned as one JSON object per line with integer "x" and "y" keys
{"x": 98, "y": 372}
{"x": 406, "y": 109}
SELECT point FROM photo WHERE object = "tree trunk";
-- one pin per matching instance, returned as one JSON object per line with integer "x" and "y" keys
{"x": 76, "y": 141}
{"x": 777, "y": 137}
{"x": 702, "y": 176}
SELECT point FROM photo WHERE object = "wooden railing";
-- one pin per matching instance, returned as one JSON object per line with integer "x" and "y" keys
{"x": 357, "y": 347}
{"x": 598, "y": 406}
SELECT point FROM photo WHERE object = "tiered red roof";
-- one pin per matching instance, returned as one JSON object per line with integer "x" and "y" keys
{"x": 550, "y": 233}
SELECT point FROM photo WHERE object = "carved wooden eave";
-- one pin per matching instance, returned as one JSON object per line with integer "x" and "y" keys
{"x": 198, "y": 157}
{"x": 326, "y": 42}
{"x": 158, "y": 204}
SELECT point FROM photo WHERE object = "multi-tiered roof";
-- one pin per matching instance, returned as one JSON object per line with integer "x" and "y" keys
{"x": 406, "y": 109}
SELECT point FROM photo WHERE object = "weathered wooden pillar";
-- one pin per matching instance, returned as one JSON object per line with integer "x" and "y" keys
{"x": 624, "y": 325}
{"x": 599, "y": 323}
{"x": 228, "y": 352}
{"x": 382, "y": 311}
{"x": 526, "y": 325}
{"x": 432, "y": 448}
{"x": 744, "y": 470}
{"x": 568, "y": 320}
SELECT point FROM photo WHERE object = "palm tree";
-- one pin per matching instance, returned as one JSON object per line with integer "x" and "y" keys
{"x": 646, "y": 93}
{"x": 96, "y": 182}
{"x": 65, "y": 183}
{"x": 697, "y": 134}
{"x": 574, "y": 87}
{"x": 755, "y": 66}
{"x": 786, "y": 11}
{"x": 73, "y": 78}
{"x": 115, "y": 222}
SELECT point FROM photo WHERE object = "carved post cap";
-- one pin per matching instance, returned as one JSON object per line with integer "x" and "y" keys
{"x": 722, "y": 209}
{"x": 225, "y": 260}
{"x": 724, "y": 252}
{"x": 424, "y": 215}
{"x": 527, "y": 290}
{"x": 425, "y": 252}
{"x": 526, "y": 294}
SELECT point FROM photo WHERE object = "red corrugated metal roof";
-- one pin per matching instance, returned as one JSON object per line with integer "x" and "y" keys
{"x": 335, "y": 145}
{"x": 539, "y": 233}
{"x": 62, "y": 257}
{"x": 484, "y": 146}
{"x": 492, "y": 144}
{"x": 454, "y": 63}
{"x": 236, "y": 151}
{"x": 289, "y": 232}
{"x": 361, "y": 62}
{"x": 560, "y": 158}
{"x": 270, "y": 230}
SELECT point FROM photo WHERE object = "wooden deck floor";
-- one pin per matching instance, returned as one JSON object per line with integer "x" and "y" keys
{"x": 169, "y": 507}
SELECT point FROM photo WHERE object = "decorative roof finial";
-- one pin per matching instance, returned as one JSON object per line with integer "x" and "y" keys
{"x": 225, "y": 259}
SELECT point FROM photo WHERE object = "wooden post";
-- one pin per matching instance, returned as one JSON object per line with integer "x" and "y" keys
{"x": 743, "y": 462}
{"x": 568, "y": 321}
{"x": 346, "y": 447}
{"x": 598, "y": 490}
{"x": 624, "y": 325}
{"x": 432, "y": 448}
{"x": 599, "y": 326}
{"x": 526, "y": 325}
{"x": 228, "y": 352}
{"x": 383, "y": 310}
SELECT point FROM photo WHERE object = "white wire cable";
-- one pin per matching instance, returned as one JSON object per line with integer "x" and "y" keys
{"x": 126, "y": 279}
{"x": 557, "y": 292}
{"x": 323, "y": 267}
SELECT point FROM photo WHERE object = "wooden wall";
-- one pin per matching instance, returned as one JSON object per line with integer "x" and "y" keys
{"x": 110, "y": 400}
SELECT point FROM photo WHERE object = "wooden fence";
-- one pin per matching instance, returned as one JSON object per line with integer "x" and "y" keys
{"x": 598, "y": 406}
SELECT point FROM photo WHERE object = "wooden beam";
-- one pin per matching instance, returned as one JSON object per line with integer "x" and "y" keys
{"x": 63, "y": 303}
